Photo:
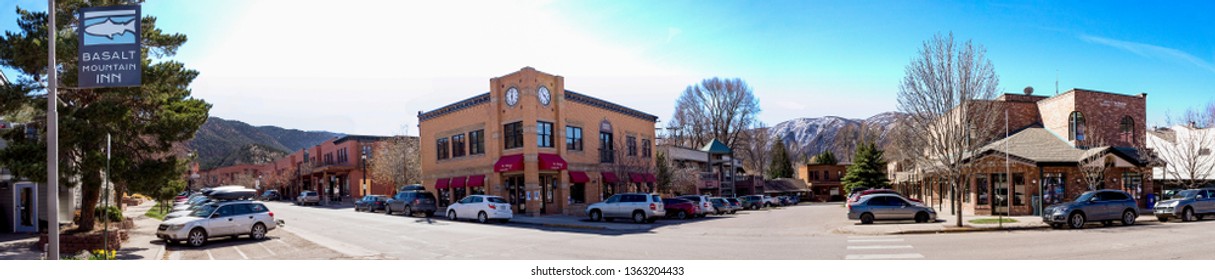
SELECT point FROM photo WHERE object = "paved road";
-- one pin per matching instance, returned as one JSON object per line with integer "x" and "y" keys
{"x": 800, "y": 232}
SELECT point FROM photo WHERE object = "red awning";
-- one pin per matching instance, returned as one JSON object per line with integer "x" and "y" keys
{"x": 636, "y": 178}
{"x": 476, "y": 181}
{"x": 609, "y": 177}
{"x": 649, "y": 178}
{"x": 579, "y": 177}
{"x": 457, "y": 182}
{"x": 551, "y": 162}
{"x": 441, "y": 184}
{"x": 509, "y": 163}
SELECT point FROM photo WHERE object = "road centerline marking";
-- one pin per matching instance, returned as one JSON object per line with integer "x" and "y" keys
{"x": 876, "y": 240}
{"x": 884, "y": 256}
{"x": 879, "y": 247}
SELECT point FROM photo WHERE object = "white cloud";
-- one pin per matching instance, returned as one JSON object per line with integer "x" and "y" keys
{"x": 367, "y": 67}
{"x": 1152, "y": 51}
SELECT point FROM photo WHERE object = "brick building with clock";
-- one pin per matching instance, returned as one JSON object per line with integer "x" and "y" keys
{"x": 546, "y": 149}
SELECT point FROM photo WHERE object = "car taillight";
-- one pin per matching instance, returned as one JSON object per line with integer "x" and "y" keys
{"x": 653, "y": 206}
{"x": 271, "y": 214}
{"x": 491, "y": 206}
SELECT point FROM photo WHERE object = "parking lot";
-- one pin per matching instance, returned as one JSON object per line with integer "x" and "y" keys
{"x": 279, "y": 244}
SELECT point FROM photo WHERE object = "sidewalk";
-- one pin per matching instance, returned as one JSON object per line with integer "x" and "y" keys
{"x": 947, "y": 223}
{"x": 143, "y": 244}
{"x": 572, "y": 222}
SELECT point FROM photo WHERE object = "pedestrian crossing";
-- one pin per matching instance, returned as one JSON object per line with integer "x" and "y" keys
{"x": 880, "y": 248}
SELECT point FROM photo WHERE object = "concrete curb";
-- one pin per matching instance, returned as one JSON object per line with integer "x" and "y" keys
{"x": 570, "y": 226}
{"x": 968, "y": 229}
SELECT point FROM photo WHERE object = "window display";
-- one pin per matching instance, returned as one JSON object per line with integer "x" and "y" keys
{"x": 1054, "y": 187}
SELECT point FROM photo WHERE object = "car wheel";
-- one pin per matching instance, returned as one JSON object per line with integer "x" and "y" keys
{"x": 1075, "y": 221}
{"x": 754, "y": 206}
{"x": 921, "y": 217}
{"x": 682, "y": 215}
{"x": 639, "y": 217}
{"x": 451, "y": 215}
{"x": 596, "y": 215}
{"x": 197, "y": 237}
{"x": 258, "y": 232}
{"x": 387, "y": 210}
{"x": 408, "y": 211}
{"x": 1128, "y": 218}
{"x": 1187, "y": 215}
{"x": 866, "y": 218}
{"x": 482, "y": 218}
{"x": 356, "y": 209}
{"x": 1162, "y": 219}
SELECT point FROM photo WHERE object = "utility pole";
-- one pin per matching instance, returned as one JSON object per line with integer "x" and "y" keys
{"x": 52, "y": 140}
{"x": 1007, "y": 175}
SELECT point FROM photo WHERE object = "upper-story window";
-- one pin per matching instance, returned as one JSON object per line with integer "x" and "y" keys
{"x": 457, "y": 145}
{"x": 441, "y": 147}
{"x": 476, "y": 142}
{"x": 631, "y": 142}
{"x": 645, "y": 148}
{"x": 513, "y": 135}
{"x": 573, "y": 138}
{"x": 1127, "y": 129}
{"x": 341, "y": 156}
{"x": 1075, "y": 126}
{"x": 544, "y": 134}
{"x": 606, "y": 149}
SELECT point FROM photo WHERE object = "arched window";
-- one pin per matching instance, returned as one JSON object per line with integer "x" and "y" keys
{"x": 1075, "y": 126}
{"x": 1127, "y": 129}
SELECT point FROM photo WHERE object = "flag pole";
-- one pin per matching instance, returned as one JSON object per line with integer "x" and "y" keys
{"x": 52, "y": 139}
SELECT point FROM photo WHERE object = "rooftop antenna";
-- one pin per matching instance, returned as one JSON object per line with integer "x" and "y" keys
{"x": 1056, "y": 81}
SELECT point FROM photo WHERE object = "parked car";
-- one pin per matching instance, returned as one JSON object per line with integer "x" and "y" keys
{"x": 227, "y": 218}
{"x": 889, "y": 207}
{"x": 308, "y": 197}
{"x": 784, "y": 200}
{"x": 735, "y": 203}
{"x": 483, "y": 207}
{"x": 271, "y": 195}
{"x": 753, "y": 202}
{"x": 1187, "y": 205}
{"x": 370, "y": 203}
{"x": 410, "y": 202}
{"x": 679, "y": 208}
{"x": 183, "y": 213}
{"x": 770, "y": 201}
{"x": 855, "y": 193}
{"x": 877, "y": 191}
{"x": 1105, "y": 206}
{"x": 723, "y": 206}
{"x": 640, "y": 207}
{"x": 410, "y": 188}
{"x": 703, "y": 205}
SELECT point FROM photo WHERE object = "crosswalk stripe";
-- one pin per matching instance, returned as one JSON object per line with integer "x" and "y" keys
{"x": 884, "y": 257}
{"x": 876, "y": 240}
{"x": 879, "y": 247}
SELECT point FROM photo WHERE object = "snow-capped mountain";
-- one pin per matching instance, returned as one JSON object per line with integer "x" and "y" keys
{"x": 811, "y": 136}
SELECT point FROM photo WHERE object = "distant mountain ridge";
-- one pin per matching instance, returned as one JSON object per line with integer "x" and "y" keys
{"x": 221, "y": 142}
{"x": 812, "y": 136}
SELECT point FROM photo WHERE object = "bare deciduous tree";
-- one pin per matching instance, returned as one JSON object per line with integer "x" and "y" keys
{"x": 946, "y": 97}
{"x": 1186, "y": 148}
{"x": 398, "y": 160}
{"x": 754, "y": 149}
{"x": 714, "y": 109}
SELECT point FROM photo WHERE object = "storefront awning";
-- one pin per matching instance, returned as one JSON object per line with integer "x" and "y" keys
{"x": 579, "y": 177}
{"x": 649, "y": 178}
{"x": 636, "y": 178}
{"x": 509, "y": 163}
{"x": 457, "y": 182}
{"x": 551, "y": 162}
{"x": 441, "y": 184}
{"x": 609, "y": 177}
{"x": 476, "y": 181}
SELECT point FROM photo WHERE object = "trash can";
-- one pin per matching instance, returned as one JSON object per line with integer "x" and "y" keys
{"x": 1035, "y": 201}
{"x": 1151, "y": 201}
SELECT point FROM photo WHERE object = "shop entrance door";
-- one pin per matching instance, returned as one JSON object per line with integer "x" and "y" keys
{"x": 516, "y": 193}
{"x": 548, "y": 182}
{"x": 25, "y": 198}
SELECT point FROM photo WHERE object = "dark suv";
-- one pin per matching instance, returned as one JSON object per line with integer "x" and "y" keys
{"x": 410, "y": 202}
{"x": 1105, "y": 206}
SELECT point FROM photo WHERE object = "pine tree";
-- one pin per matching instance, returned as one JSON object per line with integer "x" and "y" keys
{"x": 664, "y": 173}
{"x": 780, "y": 166}
{"x": 826, "y": 158}
{"x": 868, "y": 169}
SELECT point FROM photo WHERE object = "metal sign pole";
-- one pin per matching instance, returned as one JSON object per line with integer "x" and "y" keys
{"x": 52, "y": 140}
{"x": 105, "y": 217}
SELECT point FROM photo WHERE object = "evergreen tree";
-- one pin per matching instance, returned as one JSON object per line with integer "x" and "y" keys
{"x": 826, "y": 158}
{"x": 664, "y": 173}
{"x": 868, "y": 169}
{"x": 146, "y": 122}
{"x": 780, "y": 166}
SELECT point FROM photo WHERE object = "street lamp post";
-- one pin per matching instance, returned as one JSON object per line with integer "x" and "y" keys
{"x": 363, "y": 184}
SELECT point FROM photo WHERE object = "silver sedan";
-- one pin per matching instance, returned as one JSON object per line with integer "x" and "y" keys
{"x": 889, "y": 207}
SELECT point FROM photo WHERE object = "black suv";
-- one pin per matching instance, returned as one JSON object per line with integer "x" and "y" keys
{"x": 410, "y": 202}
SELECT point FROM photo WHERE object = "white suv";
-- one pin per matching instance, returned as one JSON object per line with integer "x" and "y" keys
{"x": 641, "y": 207}
{"x": 227, "y": 218}
{"x": 704, "y": 204}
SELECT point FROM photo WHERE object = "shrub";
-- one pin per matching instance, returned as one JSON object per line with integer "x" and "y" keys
{"x": 115, "y": 214}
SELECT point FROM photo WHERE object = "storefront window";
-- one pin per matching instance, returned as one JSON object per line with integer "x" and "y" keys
{"x": 460, "y": 193}
{"x": 1133, "y": 184}
{"x": 577, "y": 193}
{"x": 1054, "y": 184}
{"x": 478, "y": 190}
{"x": 1000, "y": 187}
{"x": 444, "y": 197}
{"x": 1020, "y": 196}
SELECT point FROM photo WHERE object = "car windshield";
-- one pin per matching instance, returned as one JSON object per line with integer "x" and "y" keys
{"x": 1086, "y": 196}
{"x": 204, "y": 211}
{"x": 1187, "y": 194}
{"x": 495, "y": 199}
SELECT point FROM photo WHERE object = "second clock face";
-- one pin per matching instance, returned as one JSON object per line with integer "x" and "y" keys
{"x": 512, "y": 96}
{"x": 543, "y": 94}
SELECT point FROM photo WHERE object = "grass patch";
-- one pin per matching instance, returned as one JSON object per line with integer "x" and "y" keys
{"x": 158, "y": 212}
{"x": 992, "y": 221}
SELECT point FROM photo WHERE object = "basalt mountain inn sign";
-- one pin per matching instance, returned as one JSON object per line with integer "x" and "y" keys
{"x": 110, "y": 55}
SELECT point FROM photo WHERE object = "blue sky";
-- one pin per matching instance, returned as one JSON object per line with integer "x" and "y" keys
{"x": 283, "y": 62}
